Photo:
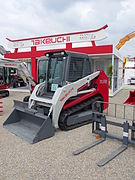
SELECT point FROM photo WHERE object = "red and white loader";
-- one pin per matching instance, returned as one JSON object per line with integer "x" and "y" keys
{"x": 63, "y": 99}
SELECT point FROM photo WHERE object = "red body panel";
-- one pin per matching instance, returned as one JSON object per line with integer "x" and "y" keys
{"x": 131, "y": 98}
{"x": 4, "y": 86}
{"x": 102, "y": 89}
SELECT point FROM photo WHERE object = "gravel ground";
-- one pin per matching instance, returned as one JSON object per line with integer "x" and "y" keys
{"x": 52, "y": 159}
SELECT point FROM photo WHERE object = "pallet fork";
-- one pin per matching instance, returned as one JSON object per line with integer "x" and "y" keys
{"x": 99, "y": 126}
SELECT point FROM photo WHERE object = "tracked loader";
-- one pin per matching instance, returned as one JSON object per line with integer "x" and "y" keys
{"x": 62, "y": 100}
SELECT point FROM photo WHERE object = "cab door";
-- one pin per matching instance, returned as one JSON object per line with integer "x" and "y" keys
{"x": 42, "y": 70}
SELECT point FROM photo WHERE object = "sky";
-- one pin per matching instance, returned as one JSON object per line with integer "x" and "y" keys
{"x": 30, "y": 18}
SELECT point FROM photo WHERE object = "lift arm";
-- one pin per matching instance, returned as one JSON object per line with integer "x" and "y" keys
{"x": 22, "y": 69}
{"x": 124, "y": 39}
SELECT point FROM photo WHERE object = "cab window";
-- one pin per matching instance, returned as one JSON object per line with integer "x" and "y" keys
{"x": 75, "y": 69}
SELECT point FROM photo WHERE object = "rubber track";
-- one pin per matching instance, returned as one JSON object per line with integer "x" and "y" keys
{"x": 66, "y": 113}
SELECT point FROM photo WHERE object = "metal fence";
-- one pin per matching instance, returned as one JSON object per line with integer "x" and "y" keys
{"x": 119, "y": 111}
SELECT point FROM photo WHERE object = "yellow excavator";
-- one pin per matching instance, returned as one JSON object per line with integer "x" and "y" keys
{"x": 131, "y": 98}
{"x": 122, "y": 42}
{"x": 125, "y": 39}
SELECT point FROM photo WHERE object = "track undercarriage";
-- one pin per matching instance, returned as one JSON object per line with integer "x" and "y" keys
{"x": 78, "y": 115}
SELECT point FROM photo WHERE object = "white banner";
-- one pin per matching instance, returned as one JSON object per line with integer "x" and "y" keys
{"x": 58, "y": 39}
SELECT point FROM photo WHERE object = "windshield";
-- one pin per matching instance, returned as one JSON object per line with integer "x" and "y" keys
{"x": 55, "y": 73}
{"x": 42, "y": 70}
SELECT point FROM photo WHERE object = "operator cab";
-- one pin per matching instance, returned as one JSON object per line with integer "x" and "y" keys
{"x": 57, "y": 69}
{"x": 4, "y": 77}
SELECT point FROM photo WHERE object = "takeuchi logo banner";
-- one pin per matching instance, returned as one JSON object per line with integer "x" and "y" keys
{"x": 59, "y": 39}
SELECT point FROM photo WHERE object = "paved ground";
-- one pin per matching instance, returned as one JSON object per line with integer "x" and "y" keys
{"x": 53, "y": 159}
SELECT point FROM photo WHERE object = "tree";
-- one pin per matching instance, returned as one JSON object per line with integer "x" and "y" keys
{"x": 110, "y": 73}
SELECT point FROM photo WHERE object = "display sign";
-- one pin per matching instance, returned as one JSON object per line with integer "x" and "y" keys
{"x": 78, "y": 37}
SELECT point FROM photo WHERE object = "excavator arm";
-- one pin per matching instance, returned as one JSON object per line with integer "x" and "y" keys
{"x": 125, "y": 39}
{"x": 22, "y": 70}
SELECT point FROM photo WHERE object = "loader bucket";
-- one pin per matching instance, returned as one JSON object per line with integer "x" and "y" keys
{"x": 131, "y": 98}
{"x": 29, "y": 124}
